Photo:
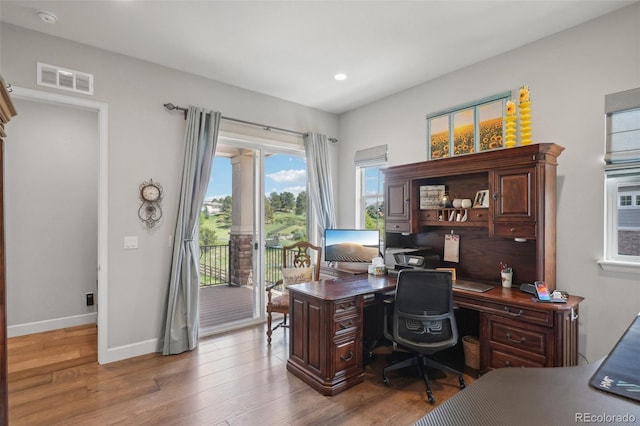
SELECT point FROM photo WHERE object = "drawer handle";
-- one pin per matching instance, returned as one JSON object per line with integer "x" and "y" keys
{"x": 348, "y": 357}
{"x": 511, "y": 339}
{"x": 513, "y": 314}
{"x": 344, "y": 306}
{"x": 512, "y": 229}
{"x": 346, "y": 324}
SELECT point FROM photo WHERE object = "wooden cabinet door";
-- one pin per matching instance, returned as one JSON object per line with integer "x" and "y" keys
{"x": 514, "y": 194}
{"x": 398, "y": 206}
{"x": 513, "y": 203}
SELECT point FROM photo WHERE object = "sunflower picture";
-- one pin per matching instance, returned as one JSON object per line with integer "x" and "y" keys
{"x": 473, "y": 127}
{"x": 490, "y": 116}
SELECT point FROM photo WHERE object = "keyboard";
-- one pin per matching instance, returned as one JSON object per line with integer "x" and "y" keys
{"x": 472, "y": 286}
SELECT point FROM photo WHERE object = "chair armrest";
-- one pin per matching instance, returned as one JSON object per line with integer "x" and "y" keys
{"x": 270, "y": 287}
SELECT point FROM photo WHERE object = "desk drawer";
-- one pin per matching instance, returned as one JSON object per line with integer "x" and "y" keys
{"x": 347, "y": 355}
{"x": 518, "y": 313}
{"x": 499, "y": 359}
{"x": 527, "y": 340}
{"x": 398, "y": 227}
{"x": 478, "y": 215}
{"x": 345, "y": 306}
{"x": 514, "y": 229}
{"x": 345, "y": 324}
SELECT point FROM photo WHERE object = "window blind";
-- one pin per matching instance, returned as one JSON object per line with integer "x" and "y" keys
{"x": 622, "y": 111}
{"x": 371, "y": 156}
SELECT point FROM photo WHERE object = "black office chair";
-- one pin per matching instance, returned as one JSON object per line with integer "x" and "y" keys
{"x": 423, "y": 321}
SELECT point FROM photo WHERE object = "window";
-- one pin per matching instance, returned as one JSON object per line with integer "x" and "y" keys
{"x": 370, "y": 188}
{"x": 622, "y": 182}
{"x": 372, "y": 199}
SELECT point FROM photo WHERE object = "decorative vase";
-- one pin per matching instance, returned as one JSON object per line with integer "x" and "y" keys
{"x": 525, "y": 116}
{"x": 510, "y": 125}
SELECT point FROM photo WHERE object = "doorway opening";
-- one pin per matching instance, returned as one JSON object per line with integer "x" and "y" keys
{"x": 101, "y": 181}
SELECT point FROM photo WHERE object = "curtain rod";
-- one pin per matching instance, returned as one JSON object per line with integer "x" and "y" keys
{"x": 171, "y": 107}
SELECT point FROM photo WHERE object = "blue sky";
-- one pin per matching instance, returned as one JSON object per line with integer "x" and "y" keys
{"x": 283, "y": 173}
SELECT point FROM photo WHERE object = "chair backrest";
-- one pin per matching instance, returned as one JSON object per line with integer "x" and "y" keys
{"x": 302, "y": 254}
{"x": 423, "y": 316}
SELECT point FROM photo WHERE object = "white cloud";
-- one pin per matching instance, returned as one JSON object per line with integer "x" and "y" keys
{"x": 288, "y": 176}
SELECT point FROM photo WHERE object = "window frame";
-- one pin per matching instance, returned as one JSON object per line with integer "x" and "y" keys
{"x": 614, "y": 180}
{"x": 361, "y": 188}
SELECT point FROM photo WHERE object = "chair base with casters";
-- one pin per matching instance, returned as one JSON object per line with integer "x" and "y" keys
{"x": 423, "y": 322}
{"x": 422, "y": 362}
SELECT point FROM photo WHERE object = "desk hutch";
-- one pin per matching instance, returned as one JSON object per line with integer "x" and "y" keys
{"x": 518, "y": 228}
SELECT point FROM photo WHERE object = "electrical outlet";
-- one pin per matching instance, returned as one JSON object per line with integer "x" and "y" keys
{"x": 90, "y": 300}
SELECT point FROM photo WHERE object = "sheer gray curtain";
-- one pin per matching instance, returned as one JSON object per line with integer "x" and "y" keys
{"x": 316, "y": 148}
{"x": 181, "y": 321}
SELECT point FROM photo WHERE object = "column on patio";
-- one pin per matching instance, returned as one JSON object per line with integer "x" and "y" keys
{"x": 241, "y": 235}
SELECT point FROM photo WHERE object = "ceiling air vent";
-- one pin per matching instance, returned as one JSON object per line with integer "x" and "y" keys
{"x": 65, "y": 79}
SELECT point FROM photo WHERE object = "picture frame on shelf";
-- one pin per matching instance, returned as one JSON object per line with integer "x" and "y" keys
{"x": 431, "y": 196}
{"x": 482, "y": 199}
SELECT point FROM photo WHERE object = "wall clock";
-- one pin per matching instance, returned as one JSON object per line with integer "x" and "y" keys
{"x": 150, "y": 195}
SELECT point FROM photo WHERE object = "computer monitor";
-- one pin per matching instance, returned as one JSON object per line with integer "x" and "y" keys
{"x": 351, "y": 245}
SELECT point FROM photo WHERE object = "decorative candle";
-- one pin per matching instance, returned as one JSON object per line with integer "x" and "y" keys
{"x": 525, "y": 116}
{"x": 510, "y": 124}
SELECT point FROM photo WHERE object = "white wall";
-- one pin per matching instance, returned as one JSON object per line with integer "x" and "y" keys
{"x": 568, "y": 75}
{"x": 51, "y": 207}
{"x": 145, "y": 141}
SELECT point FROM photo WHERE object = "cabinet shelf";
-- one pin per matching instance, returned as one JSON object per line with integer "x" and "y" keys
{"x": 451, "y": 216}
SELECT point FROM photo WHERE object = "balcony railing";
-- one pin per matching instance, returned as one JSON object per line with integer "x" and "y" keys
{"x": 215, "y": 265}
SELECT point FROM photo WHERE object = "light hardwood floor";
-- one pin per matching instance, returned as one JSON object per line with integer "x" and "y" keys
{"x": 230, "y": 379}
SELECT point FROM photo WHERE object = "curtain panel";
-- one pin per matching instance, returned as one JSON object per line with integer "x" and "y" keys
{"x": 180, "y": 322}
{"x": 316, "y": 148}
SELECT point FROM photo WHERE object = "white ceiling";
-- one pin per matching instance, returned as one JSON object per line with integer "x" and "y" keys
{"x": 291, "y": 50}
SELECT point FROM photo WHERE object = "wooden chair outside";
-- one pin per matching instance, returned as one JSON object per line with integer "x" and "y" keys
{"x": 298, "y": 265}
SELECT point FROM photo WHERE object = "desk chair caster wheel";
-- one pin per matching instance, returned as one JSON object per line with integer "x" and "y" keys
{"x": 385, "y": 380}
{"x": 430, "y": 397}
{"x": 461, "y": 381}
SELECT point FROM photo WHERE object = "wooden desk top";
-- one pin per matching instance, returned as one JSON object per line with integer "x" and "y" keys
{"x": 340, "y": 288}
{"x": 513, "y": 296}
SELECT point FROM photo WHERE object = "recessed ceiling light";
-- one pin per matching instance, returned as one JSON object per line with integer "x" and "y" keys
{"x": 340, "y": 76}
{"x": 47, "y": 17}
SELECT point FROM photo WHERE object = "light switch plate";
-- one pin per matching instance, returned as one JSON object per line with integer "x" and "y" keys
{"x": 130, "y": 242}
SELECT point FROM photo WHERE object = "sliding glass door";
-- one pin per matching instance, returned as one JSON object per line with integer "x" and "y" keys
{"x": 255, "y": 204}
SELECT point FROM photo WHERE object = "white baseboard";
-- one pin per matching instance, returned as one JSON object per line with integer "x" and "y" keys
{"x": 113, "y": 354}
{"x": 53, "y": 324}
{"x": 130, "y": 351}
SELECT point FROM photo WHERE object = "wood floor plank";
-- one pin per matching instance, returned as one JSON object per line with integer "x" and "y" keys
{"x": 233, "y": 378}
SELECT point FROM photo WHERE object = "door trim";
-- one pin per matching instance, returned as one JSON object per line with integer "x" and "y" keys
{"x": 103, "y": 185}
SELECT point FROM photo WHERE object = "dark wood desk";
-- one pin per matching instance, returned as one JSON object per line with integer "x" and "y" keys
{"x": 325, "y": 346}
